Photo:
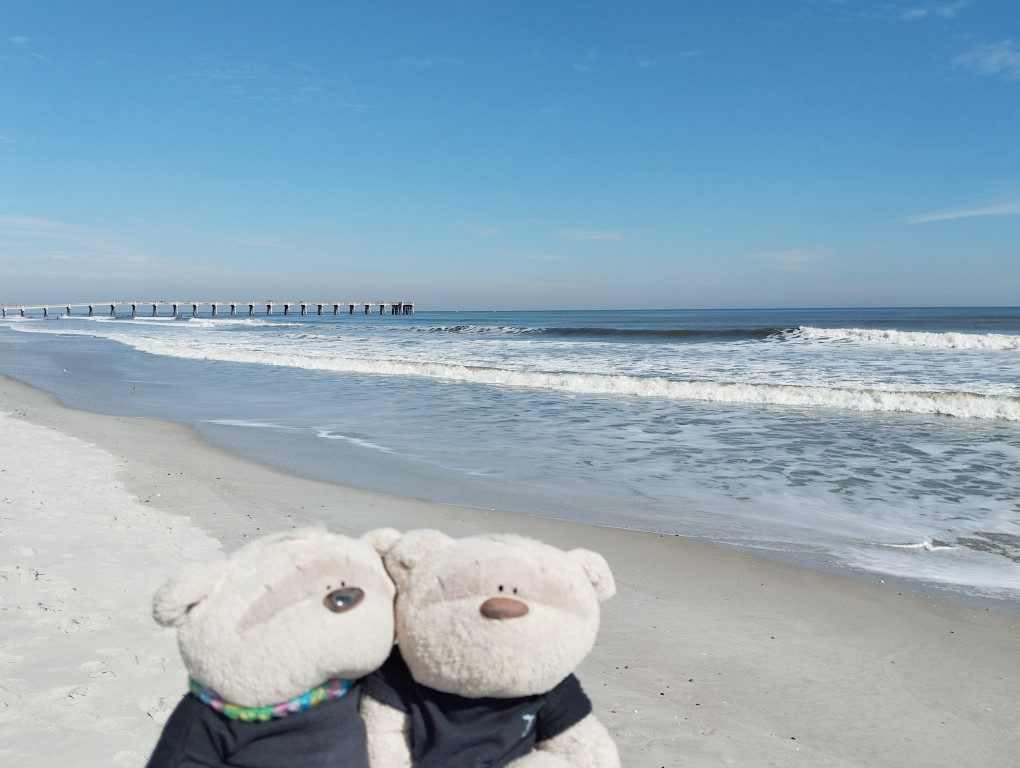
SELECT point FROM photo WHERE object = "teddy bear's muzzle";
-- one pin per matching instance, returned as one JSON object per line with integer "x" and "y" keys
{"x": 503, "y": 608}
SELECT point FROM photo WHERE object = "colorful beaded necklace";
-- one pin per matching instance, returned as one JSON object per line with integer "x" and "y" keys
{"x": 331, "y": 689}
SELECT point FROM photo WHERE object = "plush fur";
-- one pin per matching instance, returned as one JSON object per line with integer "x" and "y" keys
{"x": 450, "y": 646}
{"x": 254, "y": 627}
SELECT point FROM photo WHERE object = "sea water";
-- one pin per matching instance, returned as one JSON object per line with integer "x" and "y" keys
{"x": 881, "y": 442}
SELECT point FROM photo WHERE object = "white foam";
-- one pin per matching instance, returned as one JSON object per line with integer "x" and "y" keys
{"x": 888, "y": 337}
{"x": 926, "y": 545}
{"x": 247, "y": 423}
{"x": 326, "y": 434}
{"x": 228, "y": 322}
{"x": 722, "y": 385}
{"x": 957, "y": 404}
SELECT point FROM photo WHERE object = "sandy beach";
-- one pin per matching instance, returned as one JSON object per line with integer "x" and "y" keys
{"x": 707, "y": 656}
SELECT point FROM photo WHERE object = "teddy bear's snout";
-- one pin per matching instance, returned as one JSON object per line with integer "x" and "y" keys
{"x": 503, "y": 608}
{"x": 340, "y": 600}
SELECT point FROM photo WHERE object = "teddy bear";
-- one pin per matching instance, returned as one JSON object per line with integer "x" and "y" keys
{"x": 489, "y": 630}
{"x": 274, "y": 639}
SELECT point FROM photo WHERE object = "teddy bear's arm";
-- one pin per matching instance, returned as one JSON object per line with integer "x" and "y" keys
{"x": 584, "y": 745}
{"x": 386, "y": 728}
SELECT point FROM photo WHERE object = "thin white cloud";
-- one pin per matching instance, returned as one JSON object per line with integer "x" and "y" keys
{"x": 790, "y": 260}
{"x": 544, "y": 256}
{"x": 98, "y": 258}
{"x": 589, "y": 234}
{"x": 261, "y": 241}
{"x": 19, "y": 40}
{"x": 33, "y": 238}
{"x": 934, "y": 10}
{"x": 294, "y": 84}
{"x": 1002, "y": 209}
{"x": 427, "y": 62}
{"x": 1001, "y": 59}
{"x": 482, "y": 230}
{"x": 30, "y": 226}
{"x": 586, "y": 63}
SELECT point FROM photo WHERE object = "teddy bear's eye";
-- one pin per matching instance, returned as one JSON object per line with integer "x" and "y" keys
{"x": 515, "y": 590}
{"x": 341, "y": 600}
{"x": 500, "y": 587}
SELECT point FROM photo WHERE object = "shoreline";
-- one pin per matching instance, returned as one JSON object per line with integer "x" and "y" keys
{"x": 707, "y": 654}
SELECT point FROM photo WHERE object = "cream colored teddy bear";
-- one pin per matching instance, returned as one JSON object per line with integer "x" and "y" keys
{"x": 274, "y": 639}
{"x": 489, "y": 632}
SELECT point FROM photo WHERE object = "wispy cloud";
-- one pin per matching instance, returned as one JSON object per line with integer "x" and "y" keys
{"x": 292, "y": 84}
{"x": 544, "y": 256}
{"x": 791, "y": 260}
{"x": 19, "y": 40}
{"x": 934, "y": 10}
{"x": 262, "y": 241}
{"x": 585, "y": 63}
{"x": 32, "y": 238}
{"x": 482, "y": 230}
{"x": 427, "y": 62}
{"x": 589, "y": 234}
{"x": 1001, "y": 209}
{"x": 1001, "y": 59}
{"x": 647, "y": 62}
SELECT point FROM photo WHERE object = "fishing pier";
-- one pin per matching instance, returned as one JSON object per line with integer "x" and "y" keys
{"x": 194, "y": 308}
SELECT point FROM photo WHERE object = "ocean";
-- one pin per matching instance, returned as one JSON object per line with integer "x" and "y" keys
{"x": 880, "y": 442}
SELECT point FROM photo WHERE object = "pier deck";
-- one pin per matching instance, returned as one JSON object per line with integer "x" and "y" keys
{"x": 331, "y": 306}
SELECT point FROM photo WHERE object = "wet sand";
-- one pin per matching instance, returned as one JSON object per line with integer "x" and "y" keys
{"x": 707, "y": 655}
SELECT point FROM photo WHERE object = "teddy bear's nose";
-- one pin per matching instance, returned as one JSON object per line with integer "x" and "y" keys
{"x": 503, "y": 608}
{"x": 340, "y": 600}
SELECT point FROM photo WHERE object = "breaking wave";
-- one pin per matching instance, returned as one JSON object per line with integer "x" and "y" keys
{"x": 888, "y": 337}
{"x": 596, "y": 332}
{"x": 956, "y": 404}
{"x": 880, "y": 336}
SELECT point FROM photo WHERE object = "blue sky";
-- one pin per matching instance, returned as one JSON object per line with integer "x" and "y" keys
{"x": 513, "y": 155}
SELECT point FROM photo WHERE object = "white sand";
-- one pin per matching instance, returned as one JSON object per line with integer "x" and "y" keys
{"x": 86, "y": 677}
{"x": 707, "y": 656}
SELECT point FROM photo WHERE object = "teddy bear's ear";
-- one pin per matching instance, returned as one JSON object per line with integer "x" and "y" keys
{"x": 184, "y": 590}
{"x": 381, "y": 539}
{"x": 411, "y": 550}
{"x": 597, "y": 570}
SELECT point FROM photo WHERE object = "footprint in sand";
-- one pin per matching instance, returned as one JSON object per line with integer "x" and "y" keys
{"x": 96, "y": 669}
